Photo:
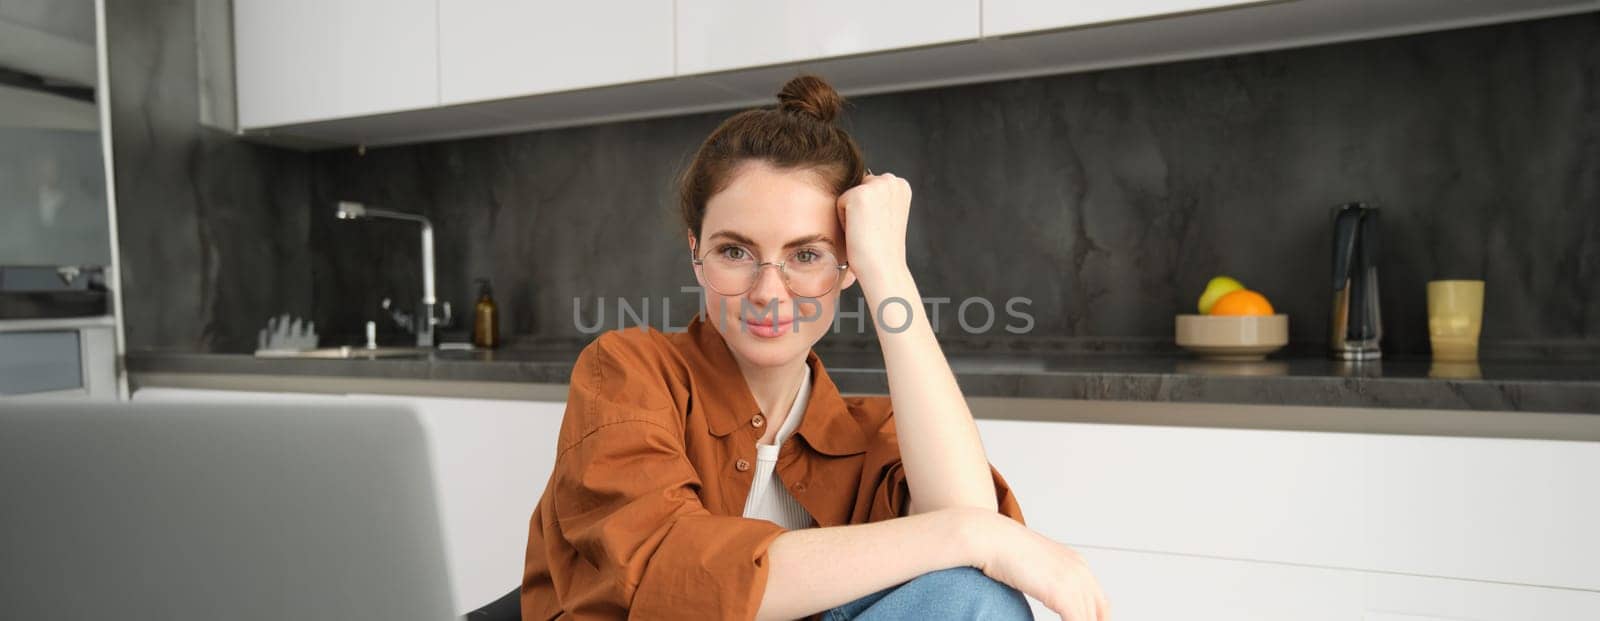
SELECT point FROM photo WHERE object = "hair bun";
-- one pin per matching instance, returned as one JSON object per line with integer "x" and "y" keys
{"x": 811, "y": 96}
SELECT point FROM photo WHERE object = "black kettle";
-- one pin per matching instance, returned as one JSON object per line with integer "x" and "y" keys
{"x": 1356, "y": 327}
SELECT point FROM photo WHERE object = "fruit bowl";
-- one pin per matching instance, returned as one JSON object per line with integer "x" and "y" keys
{"x": 1233, "y": 337}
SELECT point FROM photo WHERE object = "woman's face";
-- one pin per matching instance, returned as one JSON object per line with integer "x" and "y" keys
{"x": 766, "y": 214}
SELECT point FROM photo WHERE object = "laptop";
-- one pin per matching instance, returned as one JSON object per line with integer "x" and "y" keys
{"x": 217, "y": 511}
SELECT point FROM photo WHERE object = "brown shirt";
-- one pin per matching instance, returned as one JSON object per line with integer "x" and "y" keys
{"x": 641, "y": 517}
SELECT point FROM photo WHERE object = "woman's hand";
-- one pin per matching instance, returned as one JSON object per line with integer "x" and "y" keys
{"x": 873, "y": 216}
{"x": 1029, "y": 562}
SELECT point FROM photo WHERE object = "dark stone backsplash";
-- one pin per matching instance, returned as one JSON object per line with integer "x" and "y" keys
{"x": 1108, "y": 198}
{"x": 213, "y": 230}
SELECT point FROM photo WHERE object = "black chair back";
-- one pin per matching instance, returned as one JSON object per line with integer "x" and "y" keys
{"x": 507, "y": 608}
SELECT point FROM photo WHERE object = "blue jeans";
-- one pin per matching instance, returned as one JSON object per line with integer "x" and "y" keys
{"x": 955, "y": 593}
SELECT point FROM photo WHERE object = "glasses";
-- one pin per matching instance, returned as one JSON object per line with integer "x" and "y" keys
{"x": 808, "y": 272}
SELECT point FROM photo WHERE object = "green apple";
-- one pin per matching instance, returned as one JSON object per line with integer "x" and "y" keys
{"x": 1218, "y": 287}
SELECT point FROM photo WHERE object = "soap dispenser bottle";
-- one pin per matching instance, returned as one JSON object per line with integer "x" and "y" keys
{"x": 486, "y": 325}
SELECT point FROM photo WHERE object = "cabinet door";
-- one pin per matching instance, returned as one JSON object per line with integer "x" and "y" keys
{"x": 493, "y": 49}
{"x": 39, "y": 362}
{"x": 309, "y": 60}
{"x": 1399, "y": 597}
{"x": 1483, "y": 509}
{"x": 1145, "y": 586}
{"x": 1003, "y": 17}
{"x": 715, "y": 35}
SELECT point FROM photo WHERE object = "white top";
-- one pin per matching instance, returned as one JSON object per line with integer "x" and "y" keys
{"x": 768, "y": 500}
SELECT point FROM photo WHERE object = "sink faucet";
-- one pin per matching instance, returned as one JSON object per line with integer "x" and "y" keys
{"x": 426, "y": 317}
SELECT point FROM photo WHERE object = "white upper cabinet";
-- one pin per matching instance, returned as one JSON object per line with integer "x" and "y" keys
{"x": 1003, "y": 17}
{"x": 717, "y": 35}
{"x": 494, "y": 49}
{"x": 311, "y": 73}
{"x": 310, "y": 60}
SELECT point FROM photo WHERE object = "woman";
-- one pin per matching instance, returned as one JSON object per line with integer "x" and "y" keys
{"x": 717, "y": 473}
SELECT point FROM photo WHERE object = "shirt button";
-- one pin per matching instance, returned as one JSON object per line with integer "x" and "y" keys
{"x": 758, "y": 421}
{"x": 741, "y": 465}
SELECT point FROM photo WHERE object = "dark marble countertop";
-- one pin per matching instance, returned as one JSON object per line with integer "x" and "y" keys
{"x": 1565, "y": 386}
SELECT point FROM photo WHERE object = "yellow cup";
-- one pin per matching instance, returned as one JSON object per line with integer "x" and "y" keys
{"x": 1455, "y": 318}
{"x": 1448, "y": 369}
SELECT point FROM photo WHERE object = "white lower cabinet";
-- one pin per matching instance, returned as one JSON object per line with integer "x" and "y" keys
{"x": 1146, "y": 586}
{"x": 1391, "y": 597}
{"x": 1149, "y": 586}
{"x": 1192, "y": 523}
{"x": 1177, "y": 522}
{"x": 1485, "y": 509}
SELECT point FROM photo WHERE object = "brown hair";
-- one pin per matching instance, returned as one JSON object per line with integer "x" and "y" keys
{"x": 796, "y": 134}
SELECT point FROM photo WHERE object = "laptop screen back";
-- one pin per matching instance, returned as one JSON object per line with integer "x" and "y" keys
{"x": 217, "y": 511}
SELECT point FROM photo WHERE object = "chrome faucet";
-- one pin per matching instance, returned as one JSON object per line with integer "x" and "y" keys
{"x": 426, "y": 317}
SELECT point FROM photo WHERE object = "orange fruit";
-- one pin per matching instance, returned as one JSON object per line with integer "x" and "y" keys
{"x": 1242, "y": 302}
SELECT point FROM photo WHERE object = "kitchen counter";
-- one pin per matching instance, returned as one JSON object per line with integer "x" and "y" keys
{"x": 1490, "y": 386}
{"x": 57, "y": 323}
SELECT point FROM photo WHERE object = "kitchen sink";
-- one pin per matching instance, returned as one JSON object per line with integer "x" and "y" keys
{"x": 347, "y": 352}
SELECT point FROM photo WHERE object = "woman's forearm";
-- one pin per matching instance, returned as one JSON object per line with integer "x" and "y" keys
{"x": 944, "y": 460}
{"x": 815, "y": 569}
